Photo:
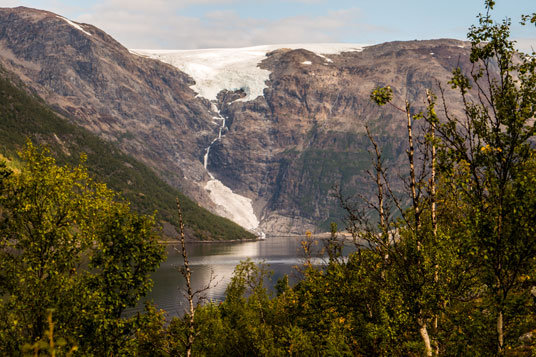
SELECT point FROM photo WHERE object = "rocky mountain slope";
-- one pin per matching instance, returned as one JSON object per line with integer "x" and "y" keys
{"x": 144, "y": 106}
{"x": 279, "y": 146}
{"x": 23, "y": 117}
{"x": 288, "y": 144}
{"x": 320, "y": 112}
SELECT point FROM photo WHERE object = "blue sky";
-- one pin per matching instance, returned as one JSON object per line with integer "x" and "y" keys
{"x": 184, "y": 24}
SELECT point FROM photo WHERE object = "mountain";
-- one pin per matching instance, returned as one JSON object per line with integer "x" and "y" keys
{"x": 296, "y": 115}
{"x": 144, "y": 106}
{"x": 24, "y": 117}
{"x": 260, "y": 135}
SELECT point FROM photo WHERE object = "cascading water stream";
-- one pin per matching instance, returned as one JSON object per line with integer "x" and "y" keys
{"x": 222, "y": 127}
{"x": 237, "y": 208}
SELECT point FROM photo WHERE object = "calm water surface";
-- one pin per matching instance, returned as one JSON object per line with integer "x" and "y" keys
{"x": 281, "y": 254}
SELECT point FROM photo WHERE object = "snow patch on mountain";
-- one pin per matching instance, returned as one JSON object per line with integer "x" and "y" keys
{"x": 234, "y": 207}
{"x": 76, "y": 26}
{"x": 234, "y": 68}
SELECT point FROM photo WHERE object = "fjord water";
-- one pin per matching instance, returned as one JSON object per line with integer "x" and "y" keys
{"x": 281, "y": 254}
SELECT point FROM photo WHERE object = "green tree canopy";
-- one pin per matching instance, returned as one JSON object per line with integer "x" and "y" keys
{"x": 69, "y": 244}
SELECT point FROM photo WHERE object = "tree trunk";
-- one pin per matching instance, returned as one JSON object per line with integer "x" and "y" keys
{"x": 500, "y": 332}
{"x": 423, "y": 330}
{"x": 411, "y": 154}
{"x": 189, "y": 293}
{"x": 435, "y": 327}
{"x": 381, "y": 200}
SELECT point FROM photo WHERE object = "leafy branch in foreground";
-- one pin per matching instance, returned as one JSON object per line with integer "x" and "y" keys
{"x": 485, "y": 160}
{"x": 68, "y": 243}
{"x": 487, "y": 157}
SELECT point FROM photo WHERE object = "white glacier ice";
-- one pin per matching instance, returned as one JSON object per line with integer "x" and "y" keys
{"x": 233, "y": 69}
{"x": 222, "y": 127}
{"x": 237, "y": 208}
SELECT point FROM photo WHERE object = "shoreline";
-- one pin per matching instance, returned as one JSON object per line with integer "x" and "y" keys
{"x": 177, "y": 241}
{"x": 324, "y": 235}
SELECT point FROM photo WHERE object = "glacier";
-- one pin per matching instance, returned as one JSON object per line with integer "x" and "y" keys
{"x": 233, "y": 69}
{"x": 237, "y": 208}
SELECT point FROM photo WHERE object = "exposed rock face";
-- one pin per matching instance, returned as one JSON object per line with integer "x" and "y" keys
{"x": 284, "y": 150}
{"x": 144, "y": 105}
{"x": 307, "y": 134}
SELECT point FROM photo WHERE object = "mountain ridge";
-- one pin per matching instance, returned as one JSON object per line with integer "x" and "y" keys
{"x": 283, "y": 151}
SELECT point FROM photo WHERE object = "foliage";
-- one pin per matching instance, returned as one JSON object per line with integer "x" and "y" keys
{"x": 382, "y": 95}
{"x": 68, "y": 244}
{"x": 488, "y": 161}
{"x": 50, "y": 345}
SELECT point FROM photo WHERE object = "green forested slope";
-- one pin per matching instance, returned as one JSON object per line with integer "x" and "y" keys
{"x": 23, "y": 116}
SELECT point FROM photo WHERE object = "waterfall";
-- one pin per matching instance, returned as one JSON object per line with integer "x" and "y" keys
{"x": 235, "y": 207}
{"x": 207, "y": 150}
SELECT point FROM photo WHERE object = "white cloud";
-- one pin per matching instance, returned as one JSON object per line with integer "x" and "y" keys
{"x": 178, "y": 24}
{"x": 138, "y": 24}
{"x": 162, "y": 7}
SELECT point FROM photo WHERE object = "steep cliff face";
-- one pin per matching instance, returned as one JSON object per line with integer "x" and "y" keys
{"x": 23, "y": 116}
{"x": 293, "y": 118}
{"x": 143, "y": 105}
{"x": 307, "y": 133}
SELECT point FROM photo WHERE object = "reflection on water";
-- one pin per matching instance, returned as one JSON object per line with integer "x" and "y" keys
{"x": 281, "y": 254}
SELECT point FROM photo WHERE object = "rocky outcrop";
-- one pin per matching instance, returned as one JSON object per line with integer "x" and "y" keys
{"x": 284, "y": 150}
